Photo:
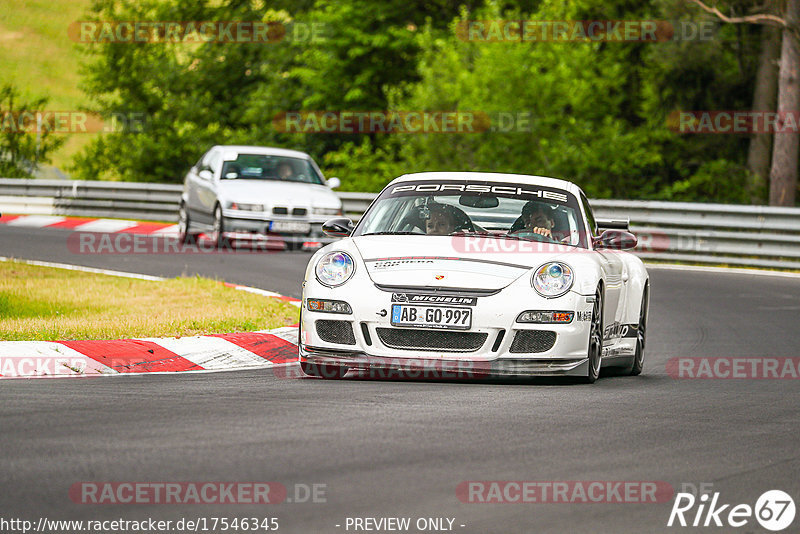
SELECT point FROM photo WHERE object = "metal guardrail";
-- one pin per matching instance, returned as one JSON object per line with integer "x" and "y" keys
{"x": 756, "y": 236}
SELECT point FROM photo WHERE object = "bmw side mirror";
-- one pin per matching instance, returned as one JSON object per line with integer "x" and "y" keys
{"x": 334, "y": 182}
{"x": 339, "y": 227}
{"x": 616, "y": 240}
{"x": 205, "y": 174}
{"x": 232, "y": 175}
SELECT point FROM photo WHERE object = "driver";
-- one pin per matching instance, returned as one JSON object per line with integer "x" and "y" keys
{"x": 440, "y": 222}
{"x": 538, "y": 219}
{"x": 285, "y": 170}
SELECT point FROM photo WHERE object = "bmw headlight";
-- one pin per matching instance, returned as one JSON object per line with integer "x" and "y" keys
{"x": 552, "y": 279}
{"x": 335, "y": 268}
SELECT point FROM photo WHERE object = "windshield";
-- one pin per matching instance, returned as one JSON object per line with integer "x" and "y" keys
{"x": 494, "y": 210}
{"x": 263, "y": 167}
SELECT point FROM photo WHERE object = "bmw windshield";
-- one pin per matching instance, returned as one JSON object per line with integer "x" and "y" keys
{"x": 494, "y": 210}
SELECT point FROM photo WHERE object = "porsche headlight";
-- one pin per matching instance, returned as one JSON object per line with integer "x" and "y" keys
{"x": 335, "y": 268}
{"x": 552, "y": 279}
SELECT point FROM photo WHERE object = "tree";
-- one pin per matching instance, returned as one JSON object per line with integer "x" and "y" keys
{"x": 783, "y": 172}
{"x": 22, "y": 149}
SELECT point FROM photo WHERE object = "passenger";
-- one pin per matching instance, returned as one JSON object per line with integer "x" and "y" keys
{"x": 440, "y": 221}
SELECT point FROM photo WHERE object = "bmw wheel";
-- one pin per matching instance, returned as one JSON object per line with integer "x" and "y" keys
{"x": 218, "y": 233}
{"x": 185, "y": 237}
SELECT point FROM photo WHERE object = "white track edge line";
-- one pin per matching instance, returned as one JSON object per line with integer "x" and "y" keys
{"x": 729, "y": 270}
{"x": 81, "y": 268}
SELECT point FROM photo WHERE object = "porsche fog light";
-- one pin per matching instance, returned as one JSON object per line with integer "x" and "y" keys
{"x": 545, "y": 317}
{"x": 328, "y": 306}
{"x": 335, "y": 268}
{"x": 552, "y": 279}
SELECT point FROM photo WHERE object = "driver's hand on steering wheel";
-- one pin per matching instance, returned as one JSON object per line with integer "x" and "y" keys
{"x": 542, "y": 231}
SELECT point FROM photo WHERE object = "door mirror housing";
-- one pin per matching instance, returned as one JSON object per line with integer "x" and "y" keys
{"x": 339, "y": 227}
{"x": 205, "y": 174}
{"x": 334, "y": 182}
{"x": 616, "y": 240}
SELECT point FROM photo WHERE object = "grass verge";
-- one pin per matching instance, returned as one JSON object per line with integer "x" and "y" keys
{"x": 48, "y": 304}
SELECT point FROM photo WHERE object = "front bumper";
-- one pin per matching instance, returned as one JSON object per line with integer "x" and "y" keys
{"x": 258, "y": 223}
{"x": 493, "y": 319}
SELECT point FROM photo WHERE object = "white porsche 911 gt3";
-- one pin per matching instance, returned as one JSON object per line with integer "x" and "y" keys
{"x": 479, "y": 273}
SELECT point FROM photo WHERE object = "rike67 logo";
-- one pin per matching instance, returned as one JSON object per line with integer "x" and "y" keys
{"x": 774, "y": 510}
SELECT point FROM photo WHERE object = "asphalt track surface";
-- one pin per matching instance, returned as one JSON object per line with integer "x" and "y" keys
{"x": 399, "y": 448}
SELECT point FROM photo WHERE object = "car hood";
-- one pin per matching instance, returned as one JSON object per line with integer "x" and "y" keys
{"x": 452, "y": 262}
{"x": 275, "y": 192}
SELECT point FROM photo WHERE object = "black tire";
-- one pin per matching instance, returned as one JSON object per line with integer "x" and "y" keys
{"x": 185, "y": 237}
{"x": 641, "y": 334}
{"x": 331, "y": 372}
{"x": 218, "y": 232}
{"x": 595, "y": 352}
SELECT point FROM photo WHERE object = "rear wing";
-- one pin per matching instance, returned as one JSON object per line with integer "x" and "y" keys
{"x": 614, "y": 224}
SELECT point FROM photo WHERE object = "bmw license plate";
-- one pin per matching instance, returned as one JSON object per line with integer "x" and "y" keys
{"x": 290, "y": 227}
{"x": 431, "y": 316}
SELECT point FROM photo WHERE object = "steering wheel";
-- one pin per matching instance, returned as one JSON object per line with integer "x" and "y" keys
{"x": 533, "y": 236}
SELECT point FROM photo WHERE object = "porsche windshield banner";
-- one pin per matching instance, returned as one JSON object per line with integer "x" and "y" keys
{"x": 482, "y": 188}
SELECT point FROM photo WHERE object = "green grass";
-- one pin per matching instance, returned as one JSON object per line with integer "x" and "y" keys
{"x": 48, "y": 304}
{"x": 38, "y": 57}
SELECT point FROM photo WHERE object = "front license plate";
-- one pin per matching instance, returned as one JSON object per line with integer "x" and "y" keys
{"x": 431, "y": 316}
{"x": 290, "y": 227}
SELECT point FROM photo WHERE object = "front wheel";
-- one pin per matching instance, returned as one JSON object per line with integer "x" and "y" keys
{"x": 595, "y": 352}
{"x": 218, "y": 232}
{"x": 185, "y": 237}
{"x": 641, "y": 334}
{"x": 331, "y": 372}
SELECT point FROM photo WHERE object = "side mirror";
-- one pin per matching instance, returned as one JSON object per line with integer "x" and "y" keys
{"x": 205, "y": 174}
{"x": 339, "y": 227}
{"x": 334, "y": 182}
{"x": 231, "y": 175}
{"x": 616, "y": 239}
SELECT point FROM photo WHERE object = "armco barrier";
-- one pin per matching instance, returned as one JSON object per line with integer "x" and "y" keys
{"x": 756, "y": 236}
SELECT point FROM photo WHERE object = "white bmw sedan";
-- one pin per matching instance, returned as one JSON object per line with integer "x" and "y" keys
{"x": 484, "y": 274}
{"x": 249, "y": 190}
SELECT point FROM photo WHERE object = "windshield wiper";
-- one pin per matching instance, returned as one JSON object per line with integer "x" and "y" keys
{"x": 509, "y": 236}
{"x": 487, "y": 234}
{"x": 393, "y": 233}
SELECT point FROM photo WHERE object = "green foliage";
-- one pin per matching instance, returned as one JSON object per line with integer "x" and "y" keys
{"x": 23, "y": 149}
{"x": 592, "y": 112}
{"x": 716, "y": 181}
{"x": 367, "y": 167}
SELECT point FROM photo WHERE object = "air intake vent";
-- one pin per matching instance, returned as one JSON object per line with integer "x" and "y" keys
{"x": 340, "y": 332}
{"x": 532, "y": 341}
{"x": 439, "y": 340}
{"x": 498, "y": 340}
{"x": 299, "y": 211}
{"x": 367, "y": 337}
{"x": 280, "y": 210}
